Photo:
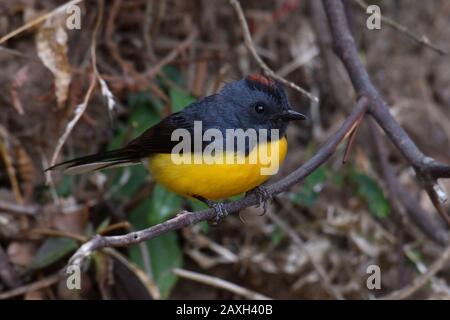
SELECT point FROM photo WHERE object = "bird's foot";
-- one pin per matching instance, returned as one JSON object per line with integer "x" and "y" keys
{"x": 218, "y": 207}
{"x": 220, "y": 210}
{"x": 263, "y": 197}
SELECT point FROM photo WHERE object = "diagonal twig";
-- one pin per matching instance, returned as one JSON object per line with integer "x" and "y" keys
{"x": 219, "y": 283}
{"x": 251, "y": 47}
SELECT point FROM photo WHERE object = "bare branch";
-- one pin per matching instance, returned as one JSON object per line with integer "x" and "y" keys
{"x": 219, "y": 283}
{"x": 18, "y": 208}
{"x": 38, "y": 20}
{"x": 154, "y": 70}
{"x": 40, "y": 284}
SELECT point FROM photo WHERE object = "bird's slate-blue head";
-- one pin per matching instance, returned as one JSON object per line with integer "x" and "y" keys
{"x": 260, "y": 102}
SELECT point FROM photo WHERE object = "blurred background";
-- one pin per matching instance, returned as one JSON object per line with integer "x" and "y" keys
{"x": 155, "y": 57}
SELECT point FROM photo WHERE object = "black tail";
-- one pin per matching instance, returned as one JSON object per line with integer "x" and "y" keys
{"x": 114, "y": 158}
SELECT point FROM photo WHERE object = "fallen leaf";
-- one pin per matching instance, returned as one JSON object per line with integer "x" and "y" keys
{"x": 51, "y": 251}
{"x": 51, "y": 44}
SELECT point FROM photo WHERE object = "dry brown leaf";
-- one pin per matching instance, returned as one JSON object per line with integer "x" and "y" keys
{"x": 51, "y": 44}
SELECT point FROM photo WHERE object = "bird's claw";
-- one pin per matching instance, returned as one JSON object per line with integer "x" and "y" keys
{"x": 263, "y": 196}
{"x": 220, "y": 210}
{"x": 218, "y": 207}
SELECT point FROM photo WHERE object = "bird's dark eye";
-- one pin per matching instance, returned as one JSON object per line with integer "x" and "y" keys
{"x": 259, "y": 108}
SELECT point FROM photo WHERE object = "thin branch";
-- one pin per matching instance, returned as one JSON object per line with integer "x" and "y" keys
{"x": 40, "y": 284}
{"x": 18, "y": 209}
{"x": 251, "y": 47}
{"x": 38, "y": 20}
{"x": 421, "y": 40}
{"x": 71, "y": 124}
{"x": 188, "y": 218}
{"x": 172, "y": 55}
{"x": 351, "y": 139}
{"x": 17, "y": 53}
{"x": 438, "y": 170}
{"x": 219, "y": 283}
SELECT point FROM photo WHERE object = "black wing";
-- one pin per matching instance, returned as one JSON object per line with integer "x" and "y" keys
{"x": 156, "y": 139}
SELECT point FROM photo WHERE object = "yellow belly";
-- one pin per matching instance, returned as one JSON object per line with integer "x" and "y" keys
{"x": 219, "y": 180}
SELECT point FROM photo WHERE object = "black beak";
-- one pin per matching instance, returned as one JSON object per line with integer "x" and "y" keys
{"x": 292, "y": 115}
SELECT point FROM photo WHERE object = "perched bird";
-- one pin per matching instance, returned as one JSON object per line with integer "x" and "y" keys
{"x": 255, "y": 104}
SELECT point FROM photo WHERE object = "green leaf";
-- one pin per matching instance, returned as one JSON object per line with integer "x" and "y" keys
{"x": 138, "y": 175}
{"x": 51, "y": 251}
{"x": 146, "y": 112}
{"x": 339, "y": 179}
{"x": 312, "y": 186}
{"x": 179, "y": 99}
{"x": 119, "y": 138}
{"x": 277, "y": 235}
{"x": 103, "y": 225}
{"x": 164, "y": 204}
{"x": 372, "y": 193}
{"x": 173, "y": 74}
{"x": 64, "y": 188}
{"x": 165, "y": 254}
{"x": 164, "y": 251}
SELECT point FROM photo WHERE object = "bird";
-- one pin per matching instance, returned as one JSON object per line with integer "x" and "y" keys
{"x": 255, "y": 103}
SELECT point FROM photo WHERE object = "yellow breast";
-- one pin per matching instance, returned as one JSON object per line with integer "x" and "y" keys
{"x": 215, "y": 181}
